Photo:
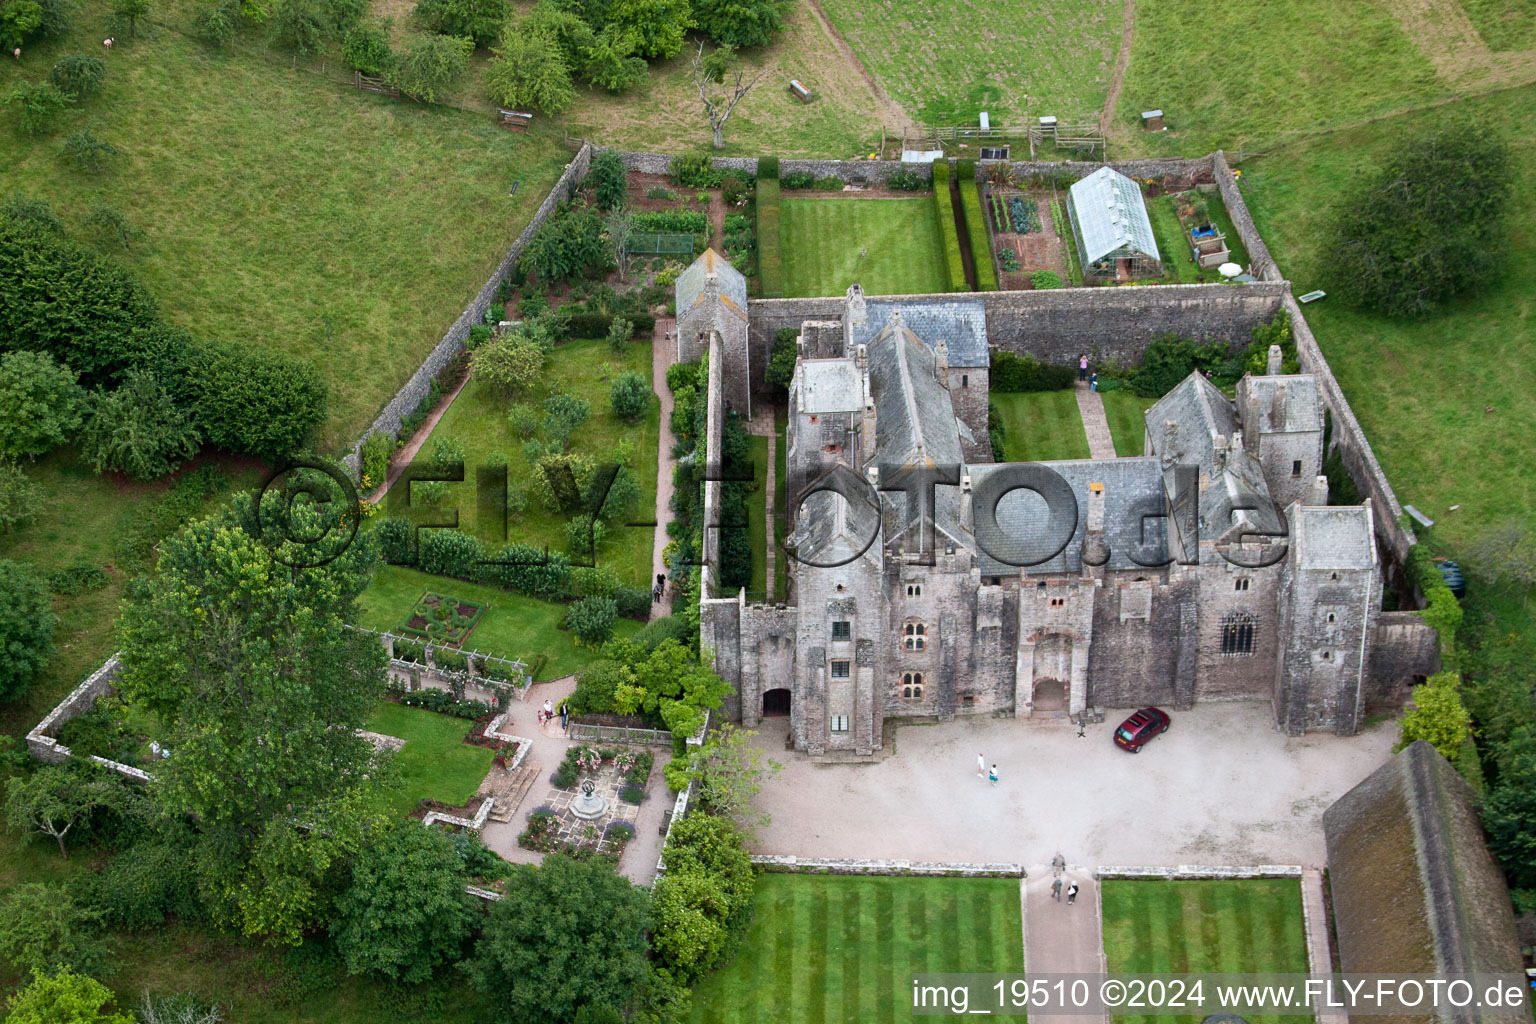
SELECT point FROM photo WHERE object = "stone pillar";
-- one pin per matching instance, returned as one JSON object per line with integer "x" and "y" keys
{"x": 1275, "y": 361}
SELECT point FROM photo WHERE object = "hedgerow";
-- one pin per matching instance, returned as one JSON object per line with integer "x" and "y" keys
{"x": 976, "y": 227}
{"x": 953, "y": 263}
{"x": 770, "y": 262}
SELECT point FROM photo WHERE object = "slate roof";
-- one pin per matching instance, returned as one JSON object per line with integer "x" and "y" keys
{"x": 830, "y": 385}
{"x": 1110, "y": 214}
{"x": 1286, "y": 404}
{"x": 961, "y": 324}
{"x": 1414, "y": 887}
{"x": 1335, "y": 537}
{"x": 830, "y": 530}
{"x": 690, "y": 283}
{"x": 1132, "y": 487}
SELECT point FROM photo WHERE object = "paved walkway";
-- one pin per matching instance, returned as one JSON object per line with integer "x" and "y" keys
{"x": 1101, "y": 444}
{"x": 1319, "y": 952}
{"x": 1062, "y": 938}
{"x": 663, "y": 353}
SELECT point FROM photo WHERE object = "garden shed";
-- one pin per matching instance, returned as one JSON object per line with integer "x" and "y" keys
{"x": 1111, "y": 229}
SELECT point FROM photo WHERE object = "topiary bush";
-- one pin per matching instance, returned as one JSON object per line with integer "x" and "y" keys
{"x": 591, "y": 619}
{"x": 397, "y": 540}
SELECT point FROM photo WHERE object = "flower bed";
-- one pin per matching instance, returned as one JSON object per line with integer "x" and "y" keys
{"x": 634, "y": 765}
{"x": 443, "y": 619}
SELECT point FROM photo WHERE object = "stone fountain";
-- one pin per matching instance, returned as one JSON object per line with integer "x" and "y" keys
{"x": 589, "y": 805}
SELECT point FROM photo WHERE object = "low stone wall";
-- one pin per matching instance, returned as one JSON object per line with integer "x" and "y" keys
{"x": 850, "y": 866}
{"x": 474, "y": 824}
{"x": 661, "y": 163}
{"x": 1188, "y": 872}
{"x": 1178, "y": 167}
{"x": 524, "y": 744}
{"x": 41, "y": 741}
{"x": 419, "y": 386}
{"x": 1260, "y": 263}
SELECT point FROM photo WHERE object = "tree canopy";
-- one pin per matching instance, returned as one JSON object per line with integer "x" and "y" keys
{"x": 137, "y": 430}
{"x": 530, "y": 72}
{"x": 250, "y": 663}
{"x": 1428, "y": 225}
{"x": 740, "y": 22}
{"x": 26, "y": 628}
{"x": 40, "y": 404}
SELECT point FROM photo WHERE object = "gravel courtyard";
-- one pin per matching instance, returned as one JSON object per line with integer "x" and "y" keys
{"x": 1221, "y": 787}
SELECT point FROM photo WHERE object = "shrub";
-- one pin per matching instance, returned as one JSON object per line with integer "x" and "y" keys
{"x": 530, "y": 570}
{"x": 142, "y": 886}
{"x": 633, "y": 602}
{"x": 480, "y": 20}
{"x": 78, "y": 578}
{"x": 566, "y": 245}
{"x": 907, "y": 180}
{"x": 78, "y": 76}
{"x": 681, "y": 375}
{"x": 1170, "y": 359}
{"x": 40, "y": 404}
{"x": 943, "y": 208}
{"x": 609, "y": 179}
{"x": 598, "y": 325}
{"x": 1045, "y": 279}
{"x": 1013, "y": 373}
{"x": 373, "y": 458}
{"x": 20, "y": 499}
{"x": 450, "y": 553}
{"x": 796, "y": 180}
{"x": 430, "y": 67}
{"x": 694, "y": 170}
{"x": 511, "y": 363}
{"x": 530, "y": 70}
{"x": 630, "y": 395}
{"x": 734, "y": 190}
{"x": 631, "y": 793}
{"x": 594, "y": 581}
{"x": 38, "y": 106}
{"x": 620, "y": 831}
{"x": 770, "y": 260}
{"x": 366, "y": 47}
{"x": 591, "y": 619}
{"x": 397, "y": 540}
{"x": 256, "y": 402}
{"x": 137, "y": 430}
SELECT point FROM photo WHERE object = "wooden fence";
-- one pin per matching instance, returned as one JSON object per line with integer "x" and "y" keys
{"x": 619, "y": 734}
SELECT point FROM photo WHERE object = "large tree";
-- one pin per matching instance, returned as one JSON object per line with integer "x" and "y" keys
{"x": 655, "y": 27}
{"x": 40, "y": 404}
{"x": 64, "y": 998}
{"x": 26, "y": 628}
{"x": 240, "y": 642}
{"x": 137, "y": 430}
{"x": 530, "y": 72}
{"x": 406, "y": 910}
{"x": 480, "y": 20}
{"x": 1429, "y": 225}
{"x": 566, "y": 934}
{"x": 740, "y": 22}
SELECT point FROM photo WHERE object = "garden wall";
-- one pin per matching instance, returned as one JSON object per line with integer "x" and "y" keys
{"x": 417, "y": 388}
{"x": 1058, "y": 325}
{"x": 850, "y": 866}
{"x": 41, "y": 741}
{"x": 1177, "y": 167}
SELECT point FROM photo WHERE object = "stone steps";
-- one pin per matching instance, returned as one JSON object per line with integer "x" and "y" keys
{"x": 510, "y": 792}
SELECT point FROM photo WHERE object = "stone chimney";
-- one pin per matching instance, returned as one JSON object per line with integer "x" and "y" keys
{"x": 1317, "y": 494}
{"x": 941, "y": 363}
{"x": 1168, "y": 456}
{"x": 1095, "y": 544}
{"x": 856, "y": 314}
{"x": 1275, "y": 362}
{"x": 867, "y": 425}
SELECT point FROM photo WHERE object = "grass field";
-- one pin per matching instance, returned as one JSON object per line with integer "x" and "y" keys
{"x": 947, "y": 62}
{"x": 822, "y": 239}
{"x": 1297, "y": 66}
{"x": 1420, "y": 387}
{"x": 840, "y": 949}
{"x": 478, "y": 420}
{"x": 1041, "y": 426}
{"x": 1247, "y": 926}
{"x": 434, "y": 764}
{"x": 514, "y": 626}
{"x": 1124, "y": 411}
{"x": 285, "y": 211}
{"x": 757, "y": 513}
{"x": 1504, "y": 24}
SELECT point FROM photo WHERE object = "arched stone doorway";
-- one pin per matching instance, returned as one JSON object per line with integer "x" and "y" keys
{"x": 1050, "y": 695}
{"x": 775, "y": 703}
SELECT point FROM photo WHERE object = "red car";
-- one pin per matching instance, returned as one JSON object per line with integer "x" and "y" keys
{"x": 1135, "y": 732}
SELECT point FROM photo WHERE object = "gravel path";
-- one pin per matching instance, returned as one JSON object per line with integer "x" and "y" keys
{"x": 663, "y": 353}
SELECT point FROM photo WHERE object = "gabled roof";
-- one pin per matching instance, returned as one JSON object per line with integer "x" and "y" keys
{"x": 690, "y": 283}
{"x": 1286, "y": 404}
{"x": 1110, "y": 214}
{"x": 960, "y": 324}
{"x": 1132, "y": 487}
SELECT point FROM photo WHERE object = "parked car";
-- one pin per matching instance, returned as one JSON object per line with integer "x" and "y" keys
{"x": 1136, "y": 731}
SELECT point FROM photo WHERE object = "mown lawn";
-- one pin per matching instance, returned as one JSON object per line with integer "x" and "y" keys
{"x": 947, "y": 62}
{"x": 478, "y": 420}
{"x": 1248, "y": 926}
{"x": 1041, "y": 426}
{"x": 435, "y": 763}
{"x": 757, "y": 513}
{"x": 822, "y": 240}
{"x": 1123, "y": 410}
{"x": 1233, "y": 74}
{"x": 514, "y": 626}
{"x": 824, "y": 948}
{"x": 283, "y": 210}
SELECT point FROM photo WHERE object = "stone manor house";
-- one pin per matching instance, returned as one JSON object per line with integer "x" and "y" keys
{"x": 1209, "y": 567}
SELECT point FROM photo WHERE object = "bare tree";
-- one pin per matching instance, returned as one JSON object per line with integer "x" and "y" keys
{"x": 709, "y": 78}
{"x": 620, "y": 223}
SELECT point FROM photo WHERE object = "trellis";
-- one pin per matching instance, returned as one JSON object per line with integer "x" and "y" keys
{"x": 655, "y": 243}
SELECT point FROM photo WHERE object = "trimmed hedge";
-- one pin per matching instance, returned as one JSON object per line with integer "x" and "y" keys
{"x": 954, "y": 264}
{"x": 595, "y": 325}
{"x": 1012, "y": 373}
{"x": 976, "y": 227}
{"x": 770, "y": 262}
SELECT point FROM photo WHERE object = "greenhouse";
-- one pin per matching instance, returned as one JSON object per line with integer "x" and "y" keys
{"x": 1110, "y": 228}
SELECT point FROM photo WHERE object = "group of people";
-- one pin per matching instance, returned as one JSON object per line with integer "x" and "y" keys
{"x": 1083, "y": 373}
{"x": 548, "y": 712}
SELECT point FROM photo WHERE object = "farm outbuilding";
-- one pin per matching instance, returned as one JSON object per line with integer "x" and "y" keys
{"x": 1111, "y": 229}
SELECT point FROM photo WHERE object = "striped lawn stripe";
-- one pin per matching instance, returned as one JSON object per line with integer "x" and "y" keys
{"x": 822, "y": 239}
{"x": 1236, "y": 926}
{"x": 1039, "y": 426}
{"x": 835, "y": 950}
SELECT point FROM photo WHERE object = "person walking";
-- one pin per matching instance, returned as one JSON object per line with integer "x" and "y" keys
{"x": 1058, "y": 865}
{"x": 1071, "y": 894}
{"x": 1082, "y": 368}
{"x": 549, "y": 711}
{"x": 1056, "y": 890}
{"x": 565, "y": 715}
{"x": 981, "y": 767}
{"x": 1093, "y": 381}
{"x": 993, "y": 775}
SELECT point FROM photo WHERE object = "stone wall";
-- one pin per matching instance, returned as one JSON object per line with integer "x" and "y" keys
{"x": 1260, "y": 263}
{"x": 660, "y": 163}
{"x": 419, "y": 386}
{"x": 854, "y": 866}
{"x": 1201, "y": 167}
{"x": 42, "y": 742}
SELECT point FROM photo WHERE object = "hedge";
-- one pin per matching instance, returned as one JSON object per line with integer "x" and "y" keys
{"x": 770, "y": 262}
{"x": 595, "y": 325}
{"x": 677, "y": 222}
{"x": 976, "y": 227}
{"x": 945, "y": 211}
{"x": 1012, "y": 373}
